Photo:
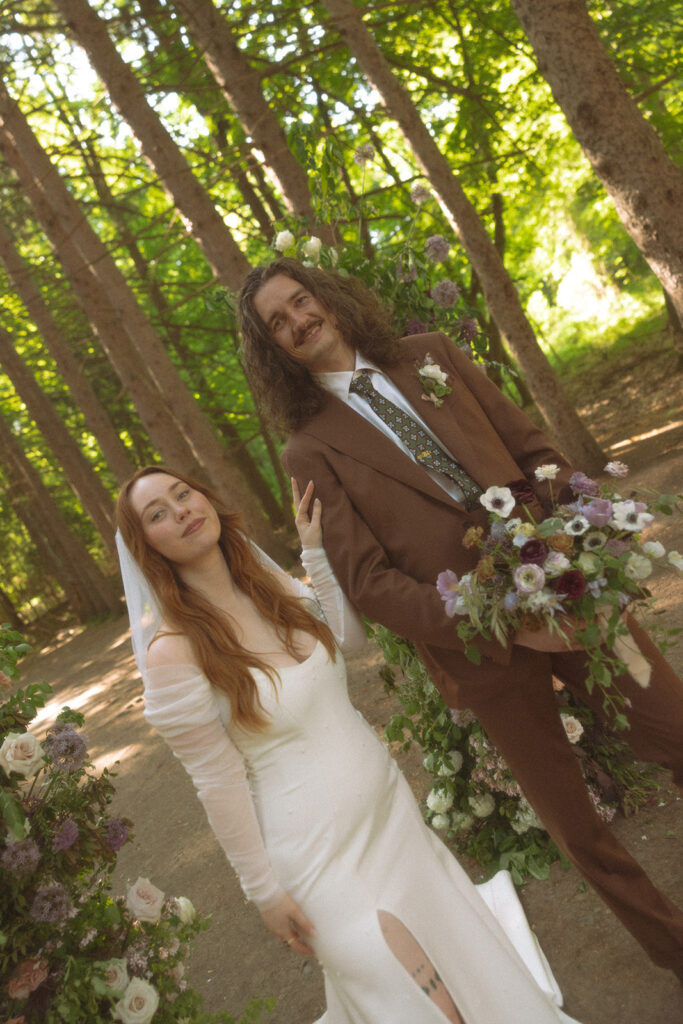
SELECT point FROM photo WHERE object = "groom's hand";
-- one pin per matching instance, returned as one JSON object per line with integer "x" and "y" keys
{"x": 550, "y": 642}
{"x": 288, "y": 921}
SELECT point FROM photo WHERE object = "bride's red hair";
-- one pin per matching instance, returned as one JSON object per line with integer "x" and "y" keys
{"x": 210, "y": 632}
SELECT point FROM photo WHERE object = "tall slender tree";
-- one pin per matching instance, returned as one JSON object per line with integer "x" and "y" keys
{"x": 80, "y": 475}
{"x": 646, "y": 186}
{"x": 499, "y": 292}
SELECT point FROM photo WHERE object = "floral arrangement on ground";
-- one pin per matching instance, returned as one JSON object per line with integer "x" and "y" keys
{"x": 70, "y": 952}
{"x": 474, "y": 800}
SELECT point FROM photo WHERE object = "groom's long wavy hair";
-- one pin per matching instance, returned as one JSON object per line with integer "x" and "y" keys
{"x": 285, "y": 391}
{"x": 211, "y": 633}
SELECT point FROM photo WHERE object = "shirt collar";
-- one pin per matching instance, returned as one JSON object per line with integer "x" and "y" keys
{"x": 339, "y": 382}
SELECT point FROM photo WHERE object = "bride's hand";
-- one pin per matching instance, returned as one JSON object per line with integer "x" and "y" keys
{"x": 288, "y": 921}
{"x": 308, "y": 526}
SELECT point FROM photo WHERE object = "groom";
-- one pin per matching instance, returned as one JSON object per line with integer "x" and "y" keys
{"x": 399, "y": 480}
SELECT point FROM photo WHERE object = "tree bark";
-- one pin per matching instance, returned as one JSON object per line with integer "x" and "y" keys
{"x": 567, "y": 429}
{"x": 624, "y": 150}
{"x": 176, "y": 176}
{"x": 80, "y": 475}
{"x": 8, "y": 612}
{"x": 84, "y": 396}
{"x": 88, "y": 591}
{"x": 161, "y": 397}
{"x": 241, "y": 86}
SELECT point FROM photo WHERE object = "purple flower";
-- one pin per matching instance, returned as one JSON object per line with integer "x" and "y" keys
{"x": 117, "y": 834}
{"x": 66, "y": 748}
{"x": 533, "y": 552}
{"x": 617, "y": 547}
{"x": 467, "y": 328}
{"x": 415, "y": 326}
{"x": 510, "y": 601}
{"x": 364, "y": 154}
{"x": 66, "y": 836}
{"x": 406, "y": 272}
{"x": 420, "y": 194}
{"x": 21, "y": 857}
{"x": 437, "y": 248}
{"x": 594, "y": 587}
{"x": 598, "y": 512}
{"x": 445, "y": 294}
{"x": 50, "y": 903}
{"x": 582, "y": 484}
{"x": 462, "y": 717}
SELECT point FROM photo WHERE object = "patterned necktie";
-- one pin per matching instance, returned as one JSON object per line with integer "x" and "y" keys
{"x": 416, "y": 440}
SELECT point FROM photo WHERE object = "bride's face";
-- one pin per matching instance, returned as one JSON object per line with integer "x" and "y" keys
{"x": 177, "y": 521}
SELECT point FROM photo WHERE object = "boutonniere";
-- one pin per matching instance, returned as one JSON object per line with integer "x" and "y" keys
{"x": 433, "y": 380}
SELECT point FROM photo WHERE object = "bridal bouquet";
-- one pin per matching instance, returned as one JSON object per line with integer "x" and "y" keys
{"x": 582, "y": 566}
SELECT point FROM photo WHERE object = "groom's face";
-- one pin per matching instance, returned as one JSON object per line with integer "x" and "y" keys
{"x": 302, "y": 326}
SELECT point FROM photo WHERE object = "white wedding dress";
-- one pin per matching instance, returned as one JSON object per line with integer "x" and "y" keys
{"x": 315, "y": 806}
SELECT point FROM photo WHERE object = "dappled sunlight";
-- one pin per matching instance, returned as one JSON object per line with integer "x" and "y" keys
{"x": 122, "y": 755}
{"x": 646, "y": 436}
{"x": 76, "y": 703}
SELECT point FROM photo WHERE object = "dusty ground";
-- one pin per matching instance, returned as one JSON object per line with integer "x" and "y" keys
{"x": 606, "y": 978}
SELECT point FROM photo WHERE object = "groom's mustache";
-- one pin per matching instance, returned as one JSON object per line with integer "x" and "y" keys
{"x": 299, "y": 338}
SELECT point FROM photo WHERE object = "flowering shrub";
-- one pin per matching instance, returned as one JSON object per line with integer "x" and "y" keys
{"x": 474, "y": 800}
{"x": 586, "y": 560}
{"x": 71, "y": 953}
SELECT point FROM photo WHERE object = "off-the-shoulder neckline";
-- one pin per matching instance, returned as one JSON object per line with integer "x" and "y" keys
{"x": 198, "y": 671}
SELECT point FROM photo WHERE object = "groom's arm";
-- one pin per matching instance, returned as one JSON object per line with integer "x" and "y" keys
{"x": 374, "y": 586}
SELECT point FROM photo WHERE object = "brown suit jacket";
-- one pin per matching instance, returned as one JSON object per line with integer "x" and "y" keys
{"x": 388, "y": 529}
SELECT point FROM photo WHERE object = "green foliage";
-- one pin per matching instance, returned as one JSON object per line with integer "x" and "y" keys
{"x": 474, "y": 799}
{"x": 70, "y": 952}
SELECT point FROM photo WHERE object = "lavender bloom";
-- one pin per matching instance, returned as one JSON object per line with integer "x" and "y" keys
{"x": 468, "y": 328}
{"x": 437, "y": 248}
{"x": 582, "y": 484}
{"x": 617, "y": 547}
{"x": 66, "y": 748}
{"x": 50, "y": 904}
{"x": 594, "y": 587}
{"x": 21, "y": 857}
{"x": 406, "y": 273}
{"x": 445, "y": 294}
{"x": 117, "y": 834}
{"x": 66, "y": 836}
{"x": 415, "y": 326}
{"x": 364, "y": 154}
{"x": 420, "y": 194}
{"x": 598, "y": 512}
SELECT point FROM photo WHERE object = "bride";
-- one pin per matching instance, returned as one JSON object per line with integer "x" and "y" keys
{"x": 244, "y": 678}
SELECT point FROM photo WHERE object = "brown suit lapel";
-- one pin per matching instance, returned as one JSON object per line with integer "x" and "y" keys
{"x": 345, "y": 431}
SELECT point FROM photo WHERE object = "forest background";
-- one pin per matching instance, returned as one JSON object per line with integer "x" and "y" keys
{"x": 153, "y": 151}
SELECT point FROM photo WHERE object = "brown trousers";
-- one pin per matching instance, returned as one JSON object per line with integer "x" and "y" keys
{"x": 519, "y": 712}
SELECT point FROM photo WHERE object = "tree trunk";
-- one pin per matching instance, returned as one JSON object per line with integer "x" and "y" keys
{"x": 94, "y": 414}
{"x": 567, "y": 429}
{"x": 88, "y": 591}
{"x": 241, "y": 86}
{"x": 161, "y": 397}
{"x": 624, "y": 150}
{"x": 208, "y": 228}
{"x": 8, "y": 612}
{"x": 80, "y": 475}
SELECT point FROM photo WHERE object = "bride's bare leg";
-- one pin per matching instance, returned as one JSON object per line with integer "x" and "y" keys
{"x": 413, "y": 958}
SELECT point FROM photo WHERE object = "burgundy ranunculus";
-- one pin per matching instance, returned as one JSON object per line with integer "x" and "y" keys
{"x": 522, "y": 491}
{"x": 570, "y": 584}
{"x": 534, "y": 552}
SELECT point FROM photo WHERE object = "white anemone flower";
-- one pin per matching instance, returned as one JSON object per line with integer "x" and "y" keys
{"x": 499, "y": 500}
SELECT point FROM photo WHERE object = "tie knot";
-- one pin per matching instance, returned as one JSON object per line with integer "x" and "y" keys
{"x": 361, "y": 384}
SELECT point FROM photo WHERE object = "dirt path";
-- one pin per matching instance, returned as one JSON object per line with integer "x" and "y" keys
{"x": 605, "y": 977}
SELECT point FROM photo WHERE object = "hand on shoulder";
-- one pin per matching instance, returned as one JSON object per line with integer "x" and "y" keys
{"x": 170, "y": 649}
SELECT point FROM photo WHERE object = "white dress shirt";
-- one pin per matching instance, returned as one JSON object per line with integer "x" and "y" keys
{"x": 338, "y": 384}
